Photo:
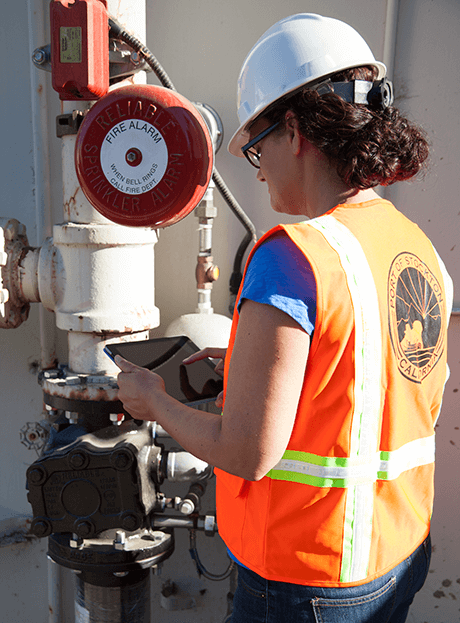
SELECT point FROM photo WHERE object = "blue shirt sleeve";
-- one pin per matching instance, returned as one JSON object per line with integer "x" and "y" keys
{"x": 281, "y": 276}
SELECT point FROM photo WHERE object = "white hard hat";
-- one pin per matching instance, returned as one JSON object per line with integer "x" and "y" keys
{"x": 295, "y": 51}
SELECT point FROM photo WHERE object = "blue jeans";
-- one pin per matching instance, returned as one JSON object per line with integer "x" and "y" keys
{"x": 384, "y": 600}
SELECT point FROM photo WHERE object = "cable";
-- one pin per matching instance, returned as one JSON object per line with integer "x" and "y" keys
{"x": 117, "y": 31}
{"x": 201, "y": 569}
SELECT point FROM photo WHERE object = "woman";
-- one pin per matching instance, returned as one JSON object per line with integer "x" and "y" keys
{"x": 325, "y": 448}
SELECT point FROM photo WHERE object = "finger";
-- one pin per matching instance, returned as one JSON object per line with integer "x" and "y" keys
{"x": 124, "y": 364}
{"x": 220, "y": 400}
{"x": 213, "y": 353}
{"x": 219, "y": 369}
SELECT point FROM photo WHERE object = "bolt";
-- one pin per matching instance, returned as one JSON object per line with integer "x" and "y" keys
{"x": 119, "y": 540}
{"x": 83, "y": 528}
{"x": 187, "y": 507}
{"x": 157, "y": 569}
{"x": 75, "y": 542}
{"x": 41, "y": 528}
{"x": 39, "y": 57}
{"x": 122, "y": 459}
{"x": 133, "y": 157}
{"x": 130, "y": 522}
{"x": 72, "y": 380}
{"x": 210, "y": 526}
{"x": 36, "y": 475}
{"x": 116, "y": 418}
{"x": 72, "y": 416}
{"x": 77, "y": 460}
{"x": 51, "y": 374}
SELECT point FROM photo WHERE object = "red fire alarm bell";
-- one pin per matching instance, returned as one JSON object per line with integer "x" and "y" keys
{"x": 144, "y": 156}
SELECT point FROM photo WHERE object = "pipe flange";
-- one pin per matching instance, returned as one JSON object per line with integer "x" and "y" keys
{"x": 13, "y": 247}
{"x": 143, "y": 549}
{"x": 95, "y": 395}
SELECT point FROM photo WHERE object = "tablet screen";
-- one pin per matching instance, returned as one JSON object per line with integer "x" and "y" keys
{"x": 191, "y": 384}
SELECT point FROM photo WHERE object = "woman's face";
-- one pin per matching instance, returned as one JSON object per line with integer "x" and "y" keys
{"x": 278, "y": 168}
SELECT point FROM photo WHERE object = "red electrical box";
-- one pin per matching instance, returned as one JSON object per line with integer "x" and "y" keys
{"x": 80, "y": 48}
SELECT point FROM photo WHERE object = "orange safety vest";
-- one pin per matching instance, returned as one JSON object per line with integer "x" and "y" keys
{"x": 352, "y": 495}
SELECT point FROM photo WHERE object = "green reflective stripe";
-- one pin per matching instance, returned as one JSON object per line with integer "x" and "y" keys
{"x": 341, "y": 472}
{"x": 315, "y": 459}
{"x": 307, "y": 479}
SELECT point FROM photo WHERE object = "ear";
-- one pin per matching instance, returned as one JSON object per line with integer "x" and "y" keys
{"x": 295, "y": 137}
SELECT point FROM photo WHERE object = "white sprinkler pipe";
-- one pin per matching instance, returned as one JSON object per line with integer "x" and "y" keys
{"x": 102, "y": 274}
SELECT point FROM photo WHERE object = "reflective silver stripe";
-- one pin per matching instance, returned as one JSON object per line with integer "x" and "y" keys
{"x": 345, "y": 472}
{"x": 368, "y": 372}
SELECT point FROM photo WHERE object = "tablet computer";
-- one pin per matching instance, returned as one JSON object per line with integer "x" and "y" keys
{"x": 193, "y": 384}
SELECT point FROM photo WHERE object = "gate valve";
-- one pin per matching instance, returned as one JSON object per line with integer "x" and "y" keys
{"x": 144, "y": 156}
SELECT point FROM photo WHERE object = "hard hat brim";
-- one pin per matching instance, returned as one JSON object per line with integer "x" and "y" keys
{"x": 241, "y": 136}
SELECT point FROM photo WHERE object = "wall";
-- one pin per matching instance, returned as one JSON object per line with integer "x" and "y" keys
{"x": 202, "y": 44}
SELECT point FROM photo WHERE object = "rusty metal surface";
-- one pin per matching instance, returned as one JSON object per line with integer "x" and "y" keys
{"x": 63, "y": 383}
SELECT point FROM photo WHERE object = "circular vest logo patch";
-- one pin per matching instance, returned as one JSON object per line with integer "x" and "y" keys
{"x": 416, "y": 316}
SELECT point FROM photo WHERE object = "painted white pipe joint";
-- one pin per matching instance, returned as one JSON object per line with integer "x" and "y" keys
{"x": 86, "y": 351}
{"x": 100, "y": 278}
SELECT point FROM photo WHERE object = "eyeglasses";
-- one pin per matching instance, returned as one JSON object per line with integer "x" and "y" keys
{"x": 250, "y": 152}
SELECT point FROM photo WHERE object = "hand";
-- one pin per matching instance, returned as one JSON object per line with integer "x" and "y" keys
{"x": 213, "y": 353}
{"x": 137, "y": 389}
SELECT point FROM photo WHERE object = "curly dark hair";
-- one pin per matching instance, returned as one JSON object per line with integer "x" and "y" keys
{"x": 368, "y": 147}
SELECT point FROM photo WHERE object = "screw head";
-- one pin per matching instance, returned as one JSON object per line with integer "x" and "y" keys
{"x": 39, "y": 57}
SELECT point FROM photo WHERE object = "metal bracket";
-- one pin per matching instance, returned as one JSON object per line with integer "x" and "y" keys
{"x": 69, "y": 123}
{"x": 123, "y": 60}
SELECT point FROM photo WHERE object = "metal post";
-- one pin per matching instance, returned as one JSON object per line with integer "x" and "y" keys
{"x": 112, "y": 597}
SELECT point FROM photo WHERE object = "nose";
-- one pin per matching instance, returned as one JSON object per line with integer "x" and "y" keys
{"x": 260, "y": 175}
